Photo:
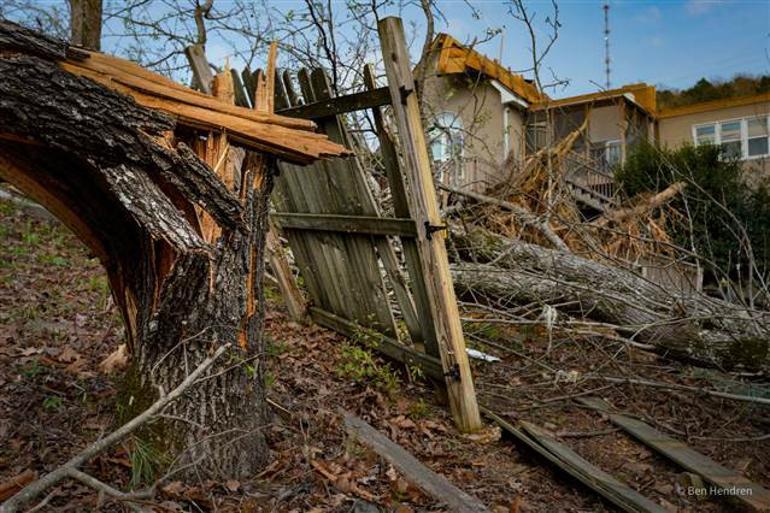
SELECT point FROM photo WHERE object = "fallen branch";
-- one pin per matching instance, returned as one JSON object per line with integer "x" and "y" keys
{"x": 621, "y": 214}
{"x": 70, "y": 469}
{"x": 526, "y": 217}
{"x": 697, "y": 390}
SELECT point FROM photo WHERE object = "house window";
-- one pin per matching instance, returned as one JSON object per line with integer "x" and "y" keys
{"x": 730, "y": 139}
{"x": 446, "y": 146}
{"x": 757, "y": 134}
{"x": 613, "y": 153}
{"x": 446, "y": 137}
{"x": 745, "y": 138}
{"x": 706, "y": 134}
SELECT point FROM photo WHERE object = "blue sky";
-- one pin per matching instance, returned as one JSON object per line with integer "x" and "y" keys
{"x": 665, "y": 43}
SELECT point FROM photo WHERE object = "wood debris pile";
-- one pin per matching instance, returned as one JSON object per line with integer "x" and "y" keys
{"x": 637, "y": 230}
{"x": 530, "y": 245}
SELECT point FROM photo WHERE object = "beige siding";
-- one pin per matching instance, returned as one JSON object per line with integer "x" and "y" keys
{"x": 516, "y": 133}
{"x": 478, "y": 105}
{"x": 677, "y": 131}
{"x": 604, "y": 124}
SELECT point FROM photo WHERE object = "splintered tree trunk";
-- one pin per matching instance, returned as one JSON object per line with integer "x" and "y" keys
{"x": 139, "y": 198}
{"x": 696, "y": 327}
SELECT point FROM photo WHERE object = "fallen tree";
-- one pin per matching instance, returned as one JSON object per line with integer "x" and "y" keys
{"x": 695, "y": 326}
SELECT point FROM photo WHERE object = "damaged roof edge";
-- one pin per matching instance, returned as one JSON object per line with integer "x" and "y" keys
{"x": 454, "y": 57}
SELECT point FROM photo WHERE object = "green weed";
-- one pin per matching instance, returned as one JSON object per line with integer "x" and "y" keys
{"x": 358, "y": 364}
{"x": 52, "y": 260}
{"x": 275, "y": 347}
{"x": 146, "y": 462}
{"x": 52, "y": 402}
{"x": 418, "y": 410}
{"x": 33, "y": 369}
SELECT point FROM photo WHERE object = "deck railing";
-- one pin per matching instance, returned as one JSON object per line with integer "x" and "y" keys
{"x": 594, "y": 174}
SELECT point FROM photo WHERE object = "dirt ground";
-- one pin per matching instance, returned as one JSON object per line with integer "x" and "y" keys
{"x": 57, "y": 323}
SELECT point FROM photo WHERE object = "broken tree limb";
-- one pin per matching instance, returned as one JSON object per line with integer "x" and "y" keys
{"x": 696, "y": 390}
{"x": 124, "y": 178}
{"x": 695, "y": 327}
{"x": 526, "y": 217}
{"x": 69, "y": 469}
{"x": 658, "y": 200}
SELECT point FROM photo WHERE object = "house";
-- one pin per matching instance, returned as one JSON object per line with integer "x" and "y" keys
{"x": 476, "y": 111}
{"x": 483, "y": 119}
{"x": 740, "y": 125}
{"x": 614, "y": 121}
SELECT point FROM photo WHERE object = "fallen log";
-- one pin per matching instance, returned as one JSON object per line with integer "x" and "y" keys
{"x": 698, "y": 327}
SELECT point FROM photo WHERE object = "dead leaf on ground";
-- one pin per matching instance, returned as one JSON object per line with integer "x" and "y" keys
{"x": 68, "y": 355}
{"x": 117, "y": 360}
{"x": 486, "y": 435}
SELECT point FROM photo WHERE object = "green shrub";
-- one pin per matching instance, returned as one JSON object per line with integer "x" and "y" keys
{"x": 725, "y": 211}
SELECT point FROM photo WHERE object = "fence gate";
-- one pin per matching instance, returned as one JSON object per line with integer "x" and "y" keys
{"x": 335, "y": 230}
{"x": 345, "y": 247}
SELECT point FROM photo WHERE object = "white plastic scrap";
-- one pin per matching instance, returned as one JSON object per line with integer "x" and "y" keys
{"x": 475, "y": 353}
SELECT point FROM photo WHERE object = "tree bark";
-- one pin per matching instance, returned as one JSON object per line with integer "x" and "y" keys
{"x": 86, "y": 23}
{"x": 114, "y": 173}
{"x": 697, "y": 327}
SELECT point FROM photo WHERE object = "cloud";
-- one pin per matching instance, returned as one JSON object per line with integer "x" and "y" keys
{"x": 649, "y": 15}
{"x": 699, "y": 7}
{"x": 656, "y": 41}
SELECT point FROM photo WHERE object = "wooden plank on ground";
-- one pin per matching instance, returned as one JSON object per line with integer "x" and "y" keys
{"x": 427, "y": 480}
{"x": 366, "y": 225}
{"x": 431, "y": 229}
{"x": 734, "y": 485}
{"x": 604, "y": 480}
{"x": 339, "y": 105}
{"x": 584, "y": 472}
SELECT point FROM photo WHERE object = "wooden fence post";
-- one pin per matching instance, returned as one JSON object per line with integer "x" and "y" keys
{"x": 431, "y": 230}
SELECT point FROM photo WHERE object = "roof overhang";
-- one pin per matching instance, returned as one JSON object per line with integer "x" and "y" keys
{"x": 508, "y": 97}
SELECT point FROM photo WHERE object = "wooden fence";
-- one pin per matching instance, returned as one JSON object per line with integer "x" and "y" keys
{"x": 387, "y": 276}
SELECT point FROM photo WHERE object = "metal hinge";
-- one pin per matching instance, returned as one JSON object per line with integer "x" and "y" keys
{"x": 431, "y": 228}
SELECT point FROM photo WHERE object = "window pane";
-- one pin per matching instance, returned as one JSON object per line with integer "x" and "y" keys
{"x": 446, "y": 137}
{"x": 758, "y": 146}
{"x": 757, "y": 127}
{"x": 613, "y": 154}
{"x": 438, "y": 147}
{"x": 705, "y": 134}
{"x": 730, "y": 131}
{"x": 731, "y": 150}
